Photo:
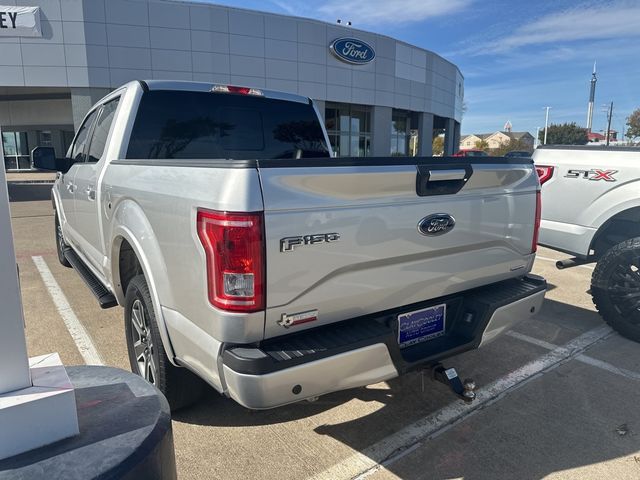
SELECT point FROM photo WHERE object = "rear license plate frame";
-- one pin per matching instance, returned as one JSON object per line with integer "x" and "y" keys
{"x": 422, "y": 325}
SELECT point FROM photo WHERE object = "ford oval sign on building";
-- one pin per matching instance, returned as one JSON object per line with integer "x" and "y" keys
{"x": 352, "y": 50}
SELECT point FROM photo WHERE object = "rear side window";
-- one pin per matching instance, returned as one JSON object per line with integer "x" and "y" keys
{"x": 202, "y": 125}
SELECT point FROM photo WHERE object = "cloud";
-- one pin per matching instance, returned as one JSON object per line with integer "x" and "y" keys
{"x": 376, "y": 12}
{"x": 586, "y": 22}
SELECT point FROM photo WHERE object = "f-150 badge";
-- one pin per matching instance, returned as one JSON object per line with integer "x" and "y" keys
{"x": 287, "y": 244}
{"x": 593, "y": 174}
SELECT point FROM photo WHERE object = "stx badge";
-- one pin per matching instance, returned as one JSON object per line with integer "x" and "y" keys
{"x": 593, "y": 174}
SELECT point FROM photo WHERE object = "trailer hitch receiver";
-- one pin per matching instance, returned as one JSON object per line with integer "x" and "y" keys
{"x": 448, "y": 376}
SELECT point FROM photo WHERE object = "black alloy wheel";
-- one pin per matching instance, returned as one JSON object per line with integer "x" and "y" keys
{"x": 615, "y": 288}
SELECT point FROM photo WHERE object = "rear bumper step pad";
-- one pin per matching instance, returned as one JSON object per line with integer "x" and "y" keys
{"x": 468, "y": 314}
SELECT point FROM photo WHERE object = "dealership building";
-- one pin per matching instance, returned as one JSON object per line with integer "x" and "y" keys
{"x": 379, "y": 96}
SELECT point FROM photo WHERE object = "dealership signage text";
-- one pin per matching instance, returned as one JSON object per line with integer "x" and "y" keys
{"x": 20, "y": 21}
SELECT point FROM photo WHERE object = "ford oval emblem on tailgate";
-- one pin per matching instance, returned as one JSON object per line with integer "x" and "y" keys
{"x": 436, "y": 224}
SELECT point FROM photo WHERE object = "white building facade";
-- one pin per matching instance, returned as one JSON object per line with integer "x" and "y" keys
{"x": 58, "y": 57}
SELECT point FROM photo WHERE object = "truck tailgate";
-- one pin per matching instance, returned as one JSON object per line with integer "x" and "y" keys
{"x": 367, "y": 254}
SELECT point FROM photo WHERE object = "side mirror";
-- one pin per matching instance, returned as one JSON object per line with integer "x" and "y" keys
{"x": 44, "y": 158}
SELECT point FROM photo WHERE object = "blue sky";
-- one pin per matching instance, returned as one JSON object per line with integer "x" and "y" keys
{"x": 517, "y": 56}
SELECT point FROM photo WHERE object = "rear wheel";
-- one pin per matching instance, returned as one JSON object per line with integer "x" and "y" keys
{"x": 60, "y": 245}
{"x": 146, "y": 351}
{"x": 615, "y": 287}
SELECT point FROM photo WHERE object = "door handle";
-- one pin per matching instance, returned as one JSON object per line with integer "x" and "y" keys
{"x": 435, "y": 180}
{"x": 443, "y": 175}
{"x": 71, "y": 187}
{"x": 91, "y": 193}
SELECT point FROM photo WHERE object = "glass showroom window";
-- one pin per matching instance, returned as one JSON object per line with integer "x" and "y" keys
{"x": 400, "y": 134}
{"x": 349, "y": 129}
{"x": 16, "y": 151}
{"x": 45, "y": 138}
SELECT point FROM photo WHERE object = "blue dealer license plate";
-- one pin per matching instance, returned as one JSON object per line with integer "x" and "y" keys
{"x": 421, "y": 325}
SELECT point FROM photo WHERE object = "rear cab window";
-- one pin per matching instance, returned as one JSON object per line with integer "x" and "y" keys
{"x": 207, "y": 125}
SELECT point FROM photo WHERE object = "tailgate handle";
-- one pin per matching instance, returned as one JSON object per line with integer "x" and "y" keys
{"x": 440, "y": 175}
{"x": 442, "y": 179}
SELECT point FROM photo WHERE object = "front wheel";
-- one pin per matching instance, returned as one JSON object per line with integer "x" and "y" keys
{"x": 146, "y": 351}
{"x": 615, "y": 288}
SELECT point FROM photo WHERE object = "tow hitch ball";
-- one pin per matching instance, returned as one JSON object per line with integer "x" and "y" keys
{"x": 464, "y": 390}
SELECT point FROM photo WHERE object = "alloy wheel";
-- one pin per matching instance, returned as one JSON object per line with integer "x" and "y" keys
{"x": 624, "y": 288}
{"x": 143, "y": 342}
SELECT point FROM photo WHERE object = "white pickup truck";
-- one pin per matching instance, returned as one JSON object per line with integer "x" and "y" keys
{"x": 245, "y": 254}
{"x": 591, "y": 210}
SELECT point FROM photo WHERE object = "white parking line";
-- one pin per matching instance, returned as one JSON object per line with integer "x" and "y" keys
{"x": 532, "y": 340}
{"x": 547, "y": 259}
{"x": 594, "y": 362}
{"x": 79, "y": 334}
{"x": 392, "y": 448}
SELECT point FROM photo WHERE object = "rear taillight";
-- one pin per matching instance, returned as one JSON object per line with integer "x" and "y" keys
{"x": 536, "y": 225}
{"x": 544, "y": 173}
{"x": 234, "y": 247}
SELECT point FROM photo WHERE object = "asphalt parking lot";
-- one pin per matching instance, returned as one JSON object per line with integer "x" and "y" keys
{"x": 558, "y": 397}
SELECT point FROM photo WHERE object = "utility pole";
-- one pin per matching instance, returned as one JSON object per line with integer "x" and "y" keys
{"x": 609, "y": 115}
{"x": 592, "y": 96}
{"x": 546, "y": 125}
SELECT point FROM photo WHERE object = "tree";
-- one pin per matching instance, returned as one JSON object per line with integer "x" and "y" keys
{"x": 565, "y": 134}
{"x": 512, "y": 145}
{"x": 633, "y": 125}
{"x": 438, "y": 146}
{"x": 482, "y": 145}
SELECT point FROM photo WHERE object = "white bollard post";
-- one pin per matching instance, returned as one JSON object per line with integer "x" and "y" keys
{"x": 37, "y": 401}
{"x": 14, "y": 363}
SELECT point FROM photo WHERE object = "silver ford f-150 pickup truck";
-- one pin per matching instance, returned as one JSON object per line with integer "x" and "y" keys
{"x": 245, "y": 254}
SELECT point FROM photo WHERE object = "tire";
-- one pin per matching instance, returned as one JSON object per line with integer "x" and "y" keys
{"x": 146, "y": 351}
{"x": 615, "y": 288}
{"x": 60, "y": 244}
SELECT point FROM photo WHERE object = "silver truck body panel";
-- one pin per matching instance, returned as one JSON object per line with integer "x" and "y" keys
{"x": 381, "y": 260}
{"x": 574, "y": 208}
{"x": 157, "y": 198}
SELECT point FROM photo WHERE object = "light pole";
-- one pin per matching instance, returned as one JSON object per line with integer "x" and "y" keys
{"x": 546, "y": 124}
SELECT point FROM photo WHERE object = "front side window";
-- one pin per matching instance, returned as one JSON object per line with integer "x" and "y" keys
{"x": 204, "y": 125}
{"x": 101, "y": 130}
{"x": 80, "y": 142}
